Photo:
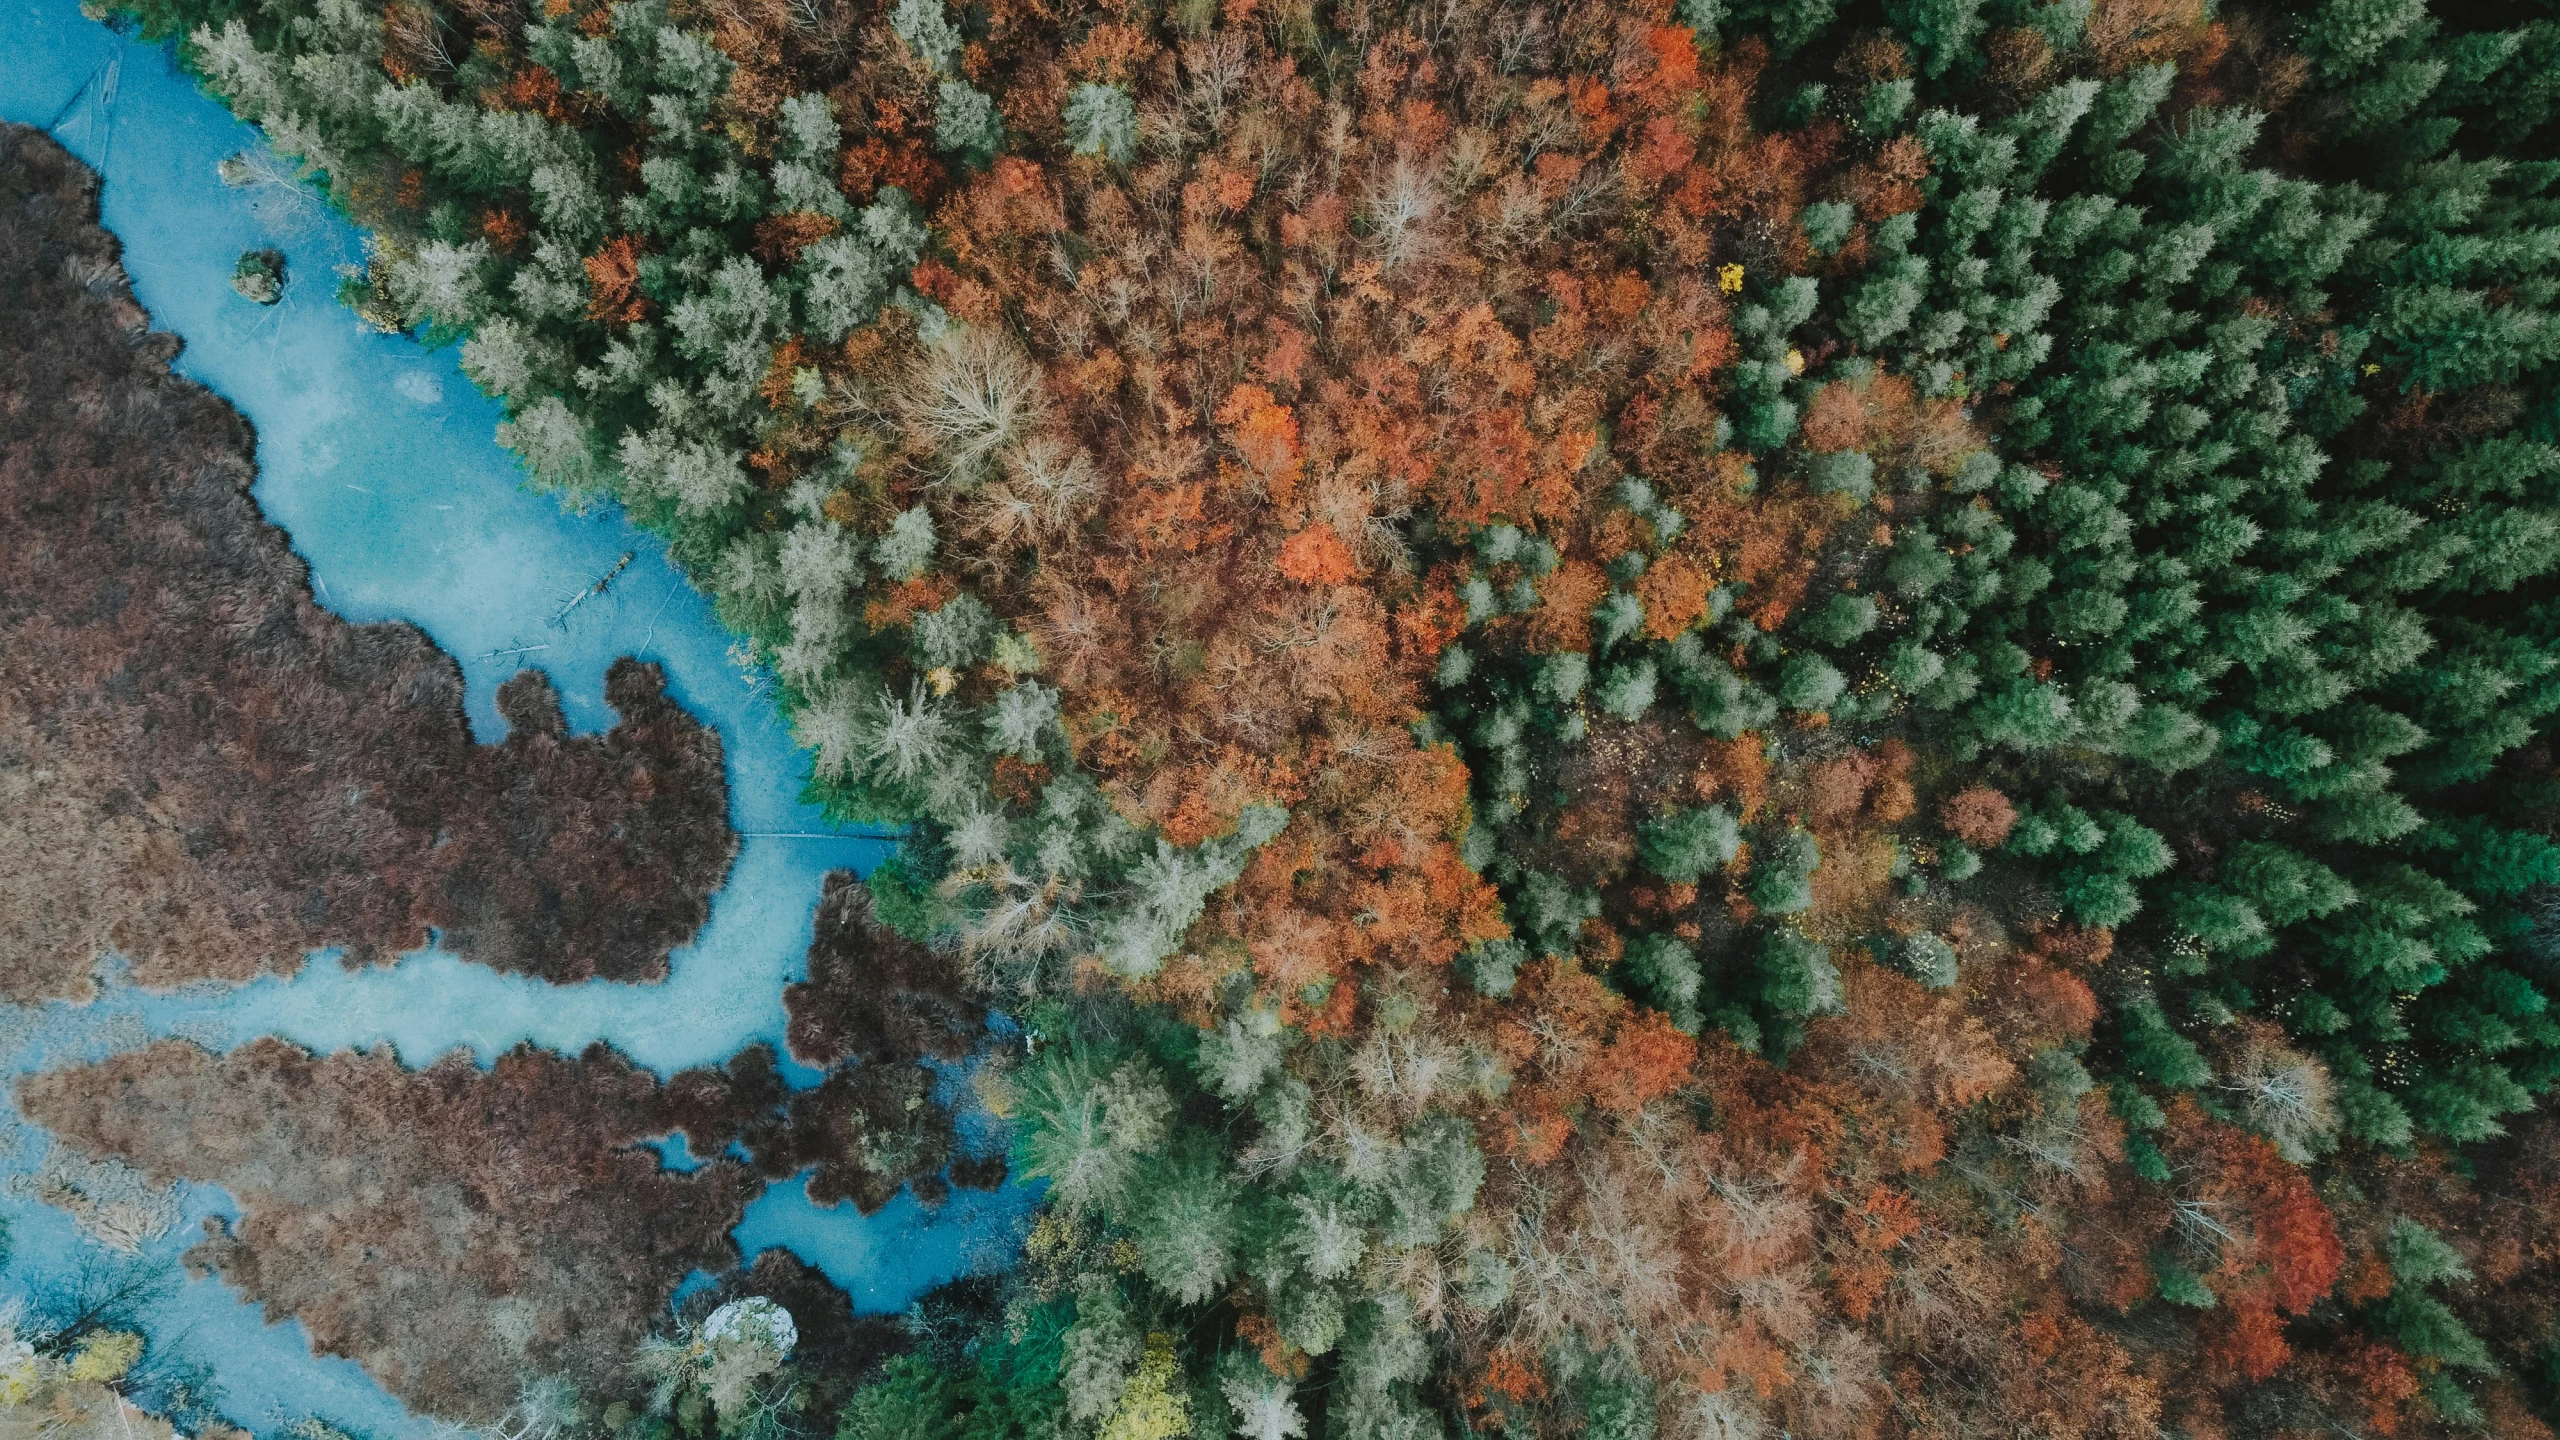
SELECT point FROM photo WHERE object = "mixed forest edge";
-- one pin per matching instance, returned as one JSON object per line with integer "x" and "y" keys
{"x": 208, "y": 774}
{"x": 1761, "y": 718}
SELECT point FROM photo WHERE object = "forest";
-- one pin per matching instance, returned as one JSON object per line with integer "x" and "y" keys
{"x": 1726, "y": 719}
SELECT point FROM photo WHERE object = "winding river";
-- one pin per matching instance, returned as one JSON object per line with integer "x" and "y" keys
{"x": 376, "y": 456}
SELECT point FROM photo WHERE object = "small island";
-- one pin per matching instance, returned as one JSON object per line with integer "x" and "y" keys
{"x": 259, "y": 276}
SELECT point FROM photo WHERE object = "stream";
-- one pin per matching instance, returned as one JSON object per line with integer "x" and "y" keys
{"x": 376, "y": 456}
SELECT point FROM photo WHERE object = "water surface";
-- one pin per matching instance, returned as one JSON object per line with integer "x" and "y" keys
{"x": 376, "y": 456}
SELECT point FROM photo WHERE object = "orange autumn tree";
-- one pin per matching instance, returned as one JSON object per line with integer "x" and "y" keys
{"x": 1350, "y": 534}
{"x": 1303, "y": 362}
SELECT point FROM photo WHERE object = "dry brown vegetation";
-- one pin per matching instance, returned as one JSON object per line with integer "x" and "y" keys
{"x": 874, "y": 1007}
{"x": 447, "y": 1227}
{"x": 453, "y": 1228}
{"x": 207, "y": 772}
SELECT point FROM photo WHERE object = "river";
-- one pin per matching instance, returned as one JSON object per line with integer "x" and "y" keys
{"x": 376, "y": 456}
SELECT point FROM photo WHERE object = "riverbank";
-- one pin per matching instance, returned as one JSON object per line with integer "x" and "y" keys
{"x": 211, "y": 774}
{"x": 374, "y": 456}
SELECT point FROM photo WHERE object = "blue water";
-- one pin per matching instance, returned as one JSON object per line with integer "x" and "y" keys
{"x": 375, "y": 455}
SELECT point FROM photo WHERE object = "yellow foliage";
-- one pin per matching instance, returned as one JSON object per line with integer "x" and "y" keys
{"x": 1150, "y": 1407}
{"x": 75, "y": 1399}
{"x": 989, "y": 1083}
{"x": 107, "y": 1356}
{"x": 1050, "y": 1239}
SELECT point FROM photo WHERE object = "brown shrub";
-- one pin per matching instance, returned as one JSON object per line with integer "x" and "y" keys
{"x": 451, "y": 1227}
{"x": 448, "y": 1228}
{"x": 203, "y": 769}
{"x": 1978, "y": 815}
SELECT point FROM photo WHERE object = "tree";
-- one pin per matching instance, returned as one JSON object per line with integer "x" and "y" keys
{"x": 922, "y": 25}
{"x": 916, "y": 1397}
{"x": 1102, "y": 120}
{"x": 1782, "y": 865}
{"x": 1665, "y": 971}
{"x": 976, "y": 394}
{"x": 1807, "y": 682}
{"x": 1683, "y": 844}
{"x": 1979, "y": 816}
{"x": 1186, "y": 1228}
{"x": 1089, "y": 1127}
{"x": 1797, "y": 978}
{"x": 1078, "y": 546}
{"x": 965, "y": 122}
{"x": 1929, "y": 959}
{"x": 1317, "y": 556}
